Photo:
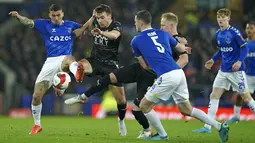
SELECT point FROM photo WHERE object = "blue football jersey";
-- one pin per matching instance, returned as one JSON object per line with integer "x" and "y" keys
{"x": 155, "y": 47}
{"x": 230, "y": 42}
{"x": 58, "y": 39}
{"x": 250, "y": 59}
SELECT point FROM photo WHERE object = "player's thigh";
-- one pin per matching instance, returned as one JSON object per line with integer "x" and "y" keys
{"x": 66, "y": 62}
{"x": 181, "y": 94}
{"x": 126, "y": 74}
{"x": 164, "y": 86}
{"x": 118, "y": 93}
{"x": 238, "y": 81}
{"x": 221, "y": 81}
{"x": 89, "y": 64}
{"x": 251, "y": 83}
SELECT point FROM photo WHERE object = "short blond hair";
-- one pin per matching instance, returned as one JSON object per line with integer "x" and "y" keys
{"x": 224, "y": 11}
{"x": 170, "y": 17}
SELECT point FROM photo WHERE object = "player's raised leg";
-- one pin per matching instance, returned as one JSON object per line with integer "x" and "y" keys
{"x": 80, "y": 68}
{"x": 100, "y": 84}
{"x": 65, "y": 66}
{"x": 39, "y": 90}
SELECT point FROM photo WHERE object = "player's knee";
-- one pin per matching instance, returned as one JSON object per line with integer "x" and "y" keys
{"x": 216, "y": 93}
{"x": 86, "y": 65}
{"x": 121, "y": 100}
{"x": 144, "y": 108}
{"x": 66, "y": 62}
{"x": 84, "y": 61}
{"x": 136, "y": 108}
{"x": 239, "y": 100}
{"x": 113, "y": 78}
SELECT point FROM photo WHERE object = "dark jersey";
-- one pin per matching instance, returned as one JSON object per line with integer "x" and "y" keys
{"x": 104, "y": 49}
{"x": 175, "y": 53}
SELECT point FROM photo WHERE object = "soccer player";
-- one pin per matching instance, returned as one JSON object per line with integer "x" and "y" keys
{"x": 232, "y": 49}
{"x": 135, "y": 73}
{"x": 103, "y": 59}
{"x": 250, "y": 72}
{"x": 152, "y": 48}
{"x": 58, "y": 39}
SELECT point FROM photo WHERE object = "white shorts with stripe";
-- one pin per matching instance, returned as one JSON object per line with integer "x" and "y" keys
{"x": 235, "y": 79}
{"x": 173, "y": 84}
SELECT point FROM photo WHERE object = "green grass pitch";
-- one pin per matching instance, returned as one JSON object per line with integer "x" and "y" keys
{"x": 61, "y": 129}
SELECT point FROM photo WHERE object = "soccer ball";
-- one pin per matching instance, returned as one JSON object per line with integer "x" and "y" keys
{"x": 61, "y": 80}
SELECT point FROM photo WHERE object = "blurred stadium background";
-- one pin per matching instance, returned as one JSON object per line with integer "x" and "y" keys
{"x": 22, "y": 52}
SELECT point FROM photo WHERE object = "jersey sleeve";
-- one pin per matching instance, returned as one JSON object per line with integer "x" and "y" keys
{"x": 39, "y": 25}
{"x": 116, "y": 26}
{"x": 76, "y": 25}
{"x": 173, "y": 42}
{"x": 136, "y": 50}
{"x": 239, "y": 38}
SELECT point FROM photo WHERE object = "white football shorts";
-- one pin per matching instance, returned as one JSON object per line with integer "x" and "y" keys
{"x": 51, "y": 66}
{"x": 173, "y": 84}
{"x": 251, "y": 83}
{"x": 235, "y": 79}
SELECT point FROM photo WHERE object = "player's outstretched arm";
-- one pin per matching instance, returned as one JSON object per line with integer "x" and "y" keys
{"x": 78, "y": 32}
{"x": 24, "y": 20}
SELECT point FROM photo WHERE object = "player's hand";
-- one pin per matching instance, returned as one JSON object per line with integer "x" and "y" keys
{"x": 236, "y": 66}
{"x": 96, "y": 31}
{"x": 209, "y": 64}
{"x": 182, "y": 40}
{"x": 188, "y": 50}
{"x": 94, "y": 13}
{"x": 14, "y": 14}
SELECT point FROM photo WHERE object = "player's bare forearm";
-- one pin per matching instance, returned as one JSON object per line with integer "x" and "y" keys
{"x": 112, "y": 35}
{"x": 26, "y": 21}
{"x": 78, "y": 32}
{"x": 183, "y": 60}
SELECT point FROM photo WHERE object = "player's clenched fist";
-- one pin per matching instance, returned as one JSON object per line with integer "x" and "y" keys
{"x": 209, "y": 64}
{"x": 182, "y": 40}
{"x": 96, "y": 31}
{"x": 14, "y": 13}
